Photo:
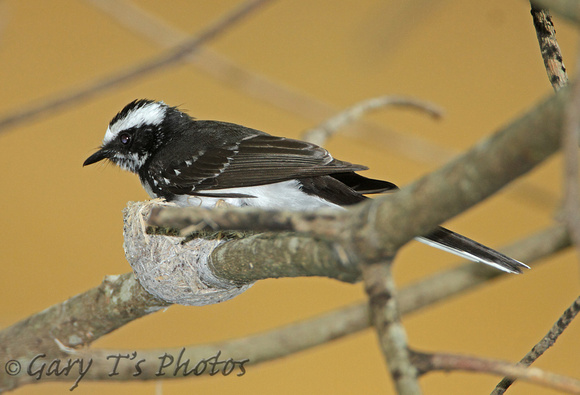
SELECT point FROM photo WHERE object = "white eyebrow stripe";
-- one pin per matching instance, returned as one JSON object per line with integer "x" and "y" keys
{"x": 149, "y": 114}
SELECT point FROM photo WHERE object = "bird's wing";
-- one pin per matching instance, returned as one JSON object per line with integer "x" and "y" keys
{"x": 255, "y": 160}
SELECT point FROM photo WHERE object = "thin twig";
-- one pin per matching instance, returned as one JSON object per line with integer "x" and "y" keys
{"x": 322, "y": 132}
{"x": 447, "y": 362}
{"x": 386, "y": 318}
{"x": 170, "y": 57}
{"x": 549, "y": 47}
{"x": 547, "y": 341}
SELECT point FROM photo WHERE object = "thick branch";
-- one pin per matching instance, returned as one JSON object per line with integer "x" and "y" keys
{"x": 77, "y": 321}
{"x": 274, "y": 255}
{"x": 194, "y": 219}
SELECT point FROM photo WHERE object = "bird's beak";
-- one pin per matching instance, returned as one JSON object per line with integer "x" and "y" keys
{"x": 96, "y": 157}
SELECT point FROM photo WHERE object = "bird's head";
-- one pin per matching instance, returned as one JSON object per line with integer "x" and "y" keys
{"x": 134, "y": 134}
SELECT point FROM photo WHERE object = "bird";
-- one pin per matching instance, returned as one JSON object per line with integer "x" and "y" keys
{"x": 193, "y": 162}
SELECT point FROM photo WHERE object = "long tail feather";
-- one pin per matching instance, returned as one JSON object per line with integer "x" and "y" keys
{"x": 464, "y": 247}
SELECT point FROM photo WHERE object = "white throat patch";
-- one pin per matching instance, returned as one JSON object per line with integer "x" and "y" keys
{"x": 149, "y": 114}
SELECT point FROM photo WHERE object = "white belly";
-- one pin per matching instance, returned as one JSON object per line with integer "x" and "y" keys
{"x": 284, "y": 195}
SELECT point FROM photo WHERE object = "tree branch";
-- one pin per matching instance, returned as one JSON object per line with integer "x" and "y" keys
{"x": 76, "y": 322}
{"x": 540, "y": 348}
{"x": 320, "y": 133}
{"x": 571, "y": 184}
{"x": 118, "y": 304}
{"x": 431, "y": 362}
{"x": 386, "y": 318}
{"x": 549, "y": 47}
{"x": 282, "y": 255}
{"x": 568, "y": 9}
{"x": 252, "y": 258}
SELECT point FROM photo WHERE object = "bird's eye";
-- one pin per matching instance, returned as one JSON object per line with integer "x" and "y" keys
{"x": 125, "y": 138}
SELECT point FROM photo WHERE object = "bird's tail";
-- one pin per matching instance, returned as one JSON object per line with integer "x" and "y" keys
{"x": 464, "y": 247}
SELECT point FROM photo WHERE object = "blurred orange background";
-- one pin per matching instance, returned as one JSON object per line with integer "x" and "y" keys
{"x": 480, "y": 61}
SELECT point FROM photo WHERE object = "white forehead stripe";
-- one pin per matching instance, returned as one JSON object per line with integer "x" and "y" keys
{"x": 149, "y": 114}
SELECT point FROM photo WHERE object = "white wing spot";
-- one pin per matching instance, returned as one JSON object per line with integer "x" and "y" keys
{"x": 177, "y": 172}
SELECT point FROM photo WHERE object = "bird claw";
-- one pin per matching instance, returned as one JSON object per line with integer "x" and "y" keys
{"x": 222, "y": 204}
